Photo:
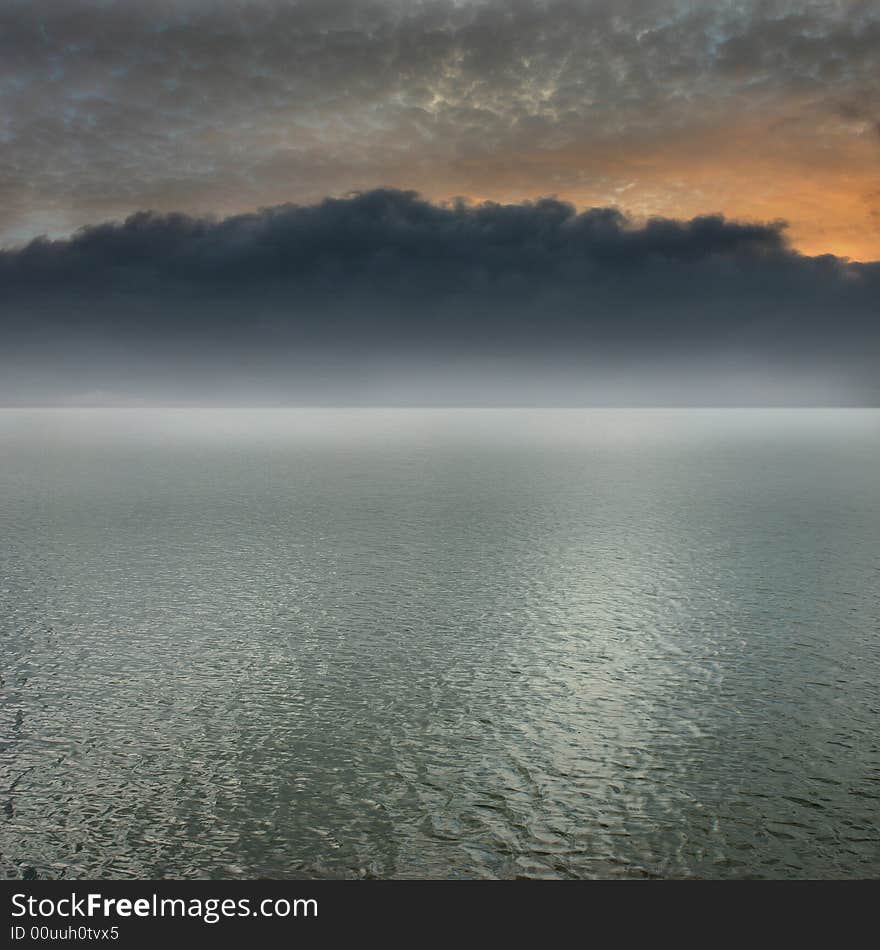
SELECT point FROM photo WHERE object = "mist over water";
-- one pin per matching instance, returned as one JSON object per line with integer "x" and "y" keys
{"x": 439, "y": 643}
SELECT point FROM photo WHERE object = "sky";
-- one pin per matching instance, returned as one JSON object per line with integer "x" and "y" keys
{"x": 478, "y": 200}
{"x": 757, "y": 110}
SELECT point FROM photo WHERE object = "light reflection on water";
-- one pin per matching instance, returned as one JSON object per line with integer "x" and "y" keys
{"x": 421, "y": 643}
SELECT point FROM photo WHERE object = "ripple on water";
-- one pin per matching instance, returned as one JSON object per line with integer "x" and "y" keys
{"x": 463, "y": 644}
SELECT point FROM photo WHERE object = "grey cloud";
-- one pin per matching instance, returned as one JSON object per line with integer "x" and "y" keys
{"x": 109, "y": 107}
{"x": 387, "y": 279}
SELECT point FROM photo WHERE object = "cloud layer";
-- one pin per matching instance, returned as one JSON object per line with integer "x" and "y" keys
{"x": 757, "y": 108}
{"x": 371, "y": 296}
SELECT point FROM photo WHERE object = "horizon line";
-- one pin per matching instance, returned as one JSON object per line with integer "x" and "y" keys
{"x": 430, "y": 406}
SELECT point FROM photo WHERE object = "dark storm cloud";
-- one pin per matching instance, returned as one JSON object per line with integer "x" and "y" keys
{"x": 109, "y": 107}
{"x": 385, "y": 239}
{"x": 386, "y": 277}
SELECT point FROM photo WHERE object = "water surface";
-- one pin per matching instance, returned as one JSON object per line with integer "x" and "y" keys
{"x": 429, "y": 643}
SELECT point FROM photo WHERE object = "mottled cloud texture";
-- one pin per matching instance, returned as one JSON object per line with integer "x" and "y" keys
{"x": 759, "y": 110}
{"x": 386, "y": 297}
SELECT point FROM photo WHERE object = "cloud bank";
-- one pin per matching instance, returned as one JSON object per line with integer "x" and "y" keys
{"x": 387, "y": 297}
